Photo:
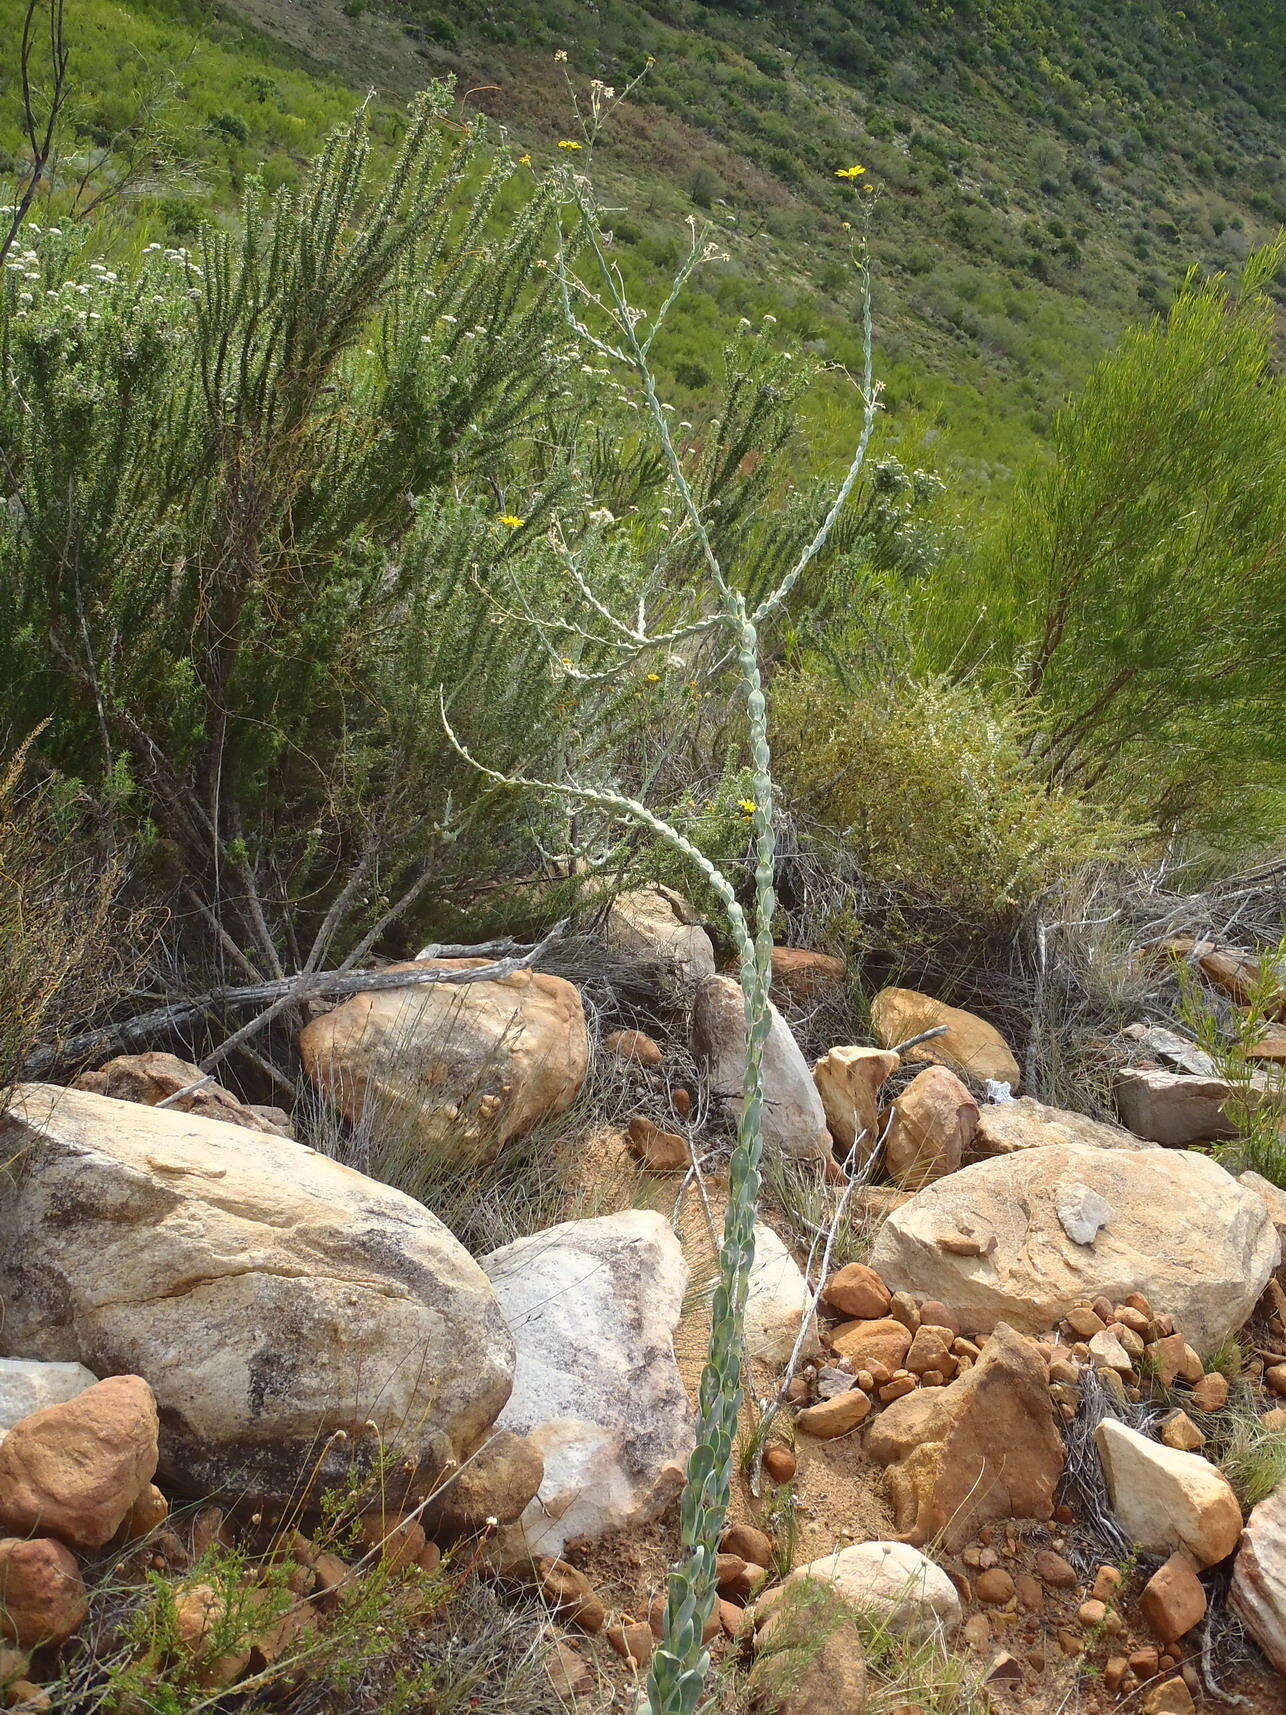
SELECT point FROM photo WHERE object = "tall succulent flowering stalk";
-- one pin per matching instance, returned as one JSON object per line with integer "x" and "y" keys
{"x": 607, "y": 644}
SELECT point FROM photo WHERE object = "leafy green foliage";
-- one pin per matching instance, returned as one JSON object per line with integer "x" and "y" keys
{"x": 255, "y": 491}
{"x": 1133, "y": 590}
{"x": 929, "y": 787}
{"x": 1047, "y": 172}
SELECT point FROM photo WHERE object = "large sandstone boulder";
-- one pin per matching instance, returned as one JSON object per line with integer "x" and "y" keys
{"x": 1258, "y": 1591}
{"x": 156, "y": 1077}
{"x": 777, "y": 1303}
{"x": 984, "y": 1448}
{"x": 593, "y": 1306}
{"x": 794, "y": 1119}
{"x": 269, "y": 1295}
{"x": 905, "y": 1590}
{"x": 657, "y": 924}
{"x": 460, "y": 1067}
{"x": 1177, "y": 1108}
{"x": 848, "y": 1080}
{"x": 76, "y": 1470}
{"x": 1024, "y": 1237}
{"x": 970, "y": 1046}
{"x": 1005, "y": 1127}
{"x": 1275, "y": 1199}
{"x": 930, "y": 1126}
{"x": 1167, "y": 1499}
{"x": 27, "y": 1385}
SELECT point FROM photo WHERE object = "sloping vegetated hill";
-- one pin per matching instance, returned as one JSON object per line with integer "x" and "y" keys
{"x": 1045, "y": 174}
{"x": 1048, "y": 172}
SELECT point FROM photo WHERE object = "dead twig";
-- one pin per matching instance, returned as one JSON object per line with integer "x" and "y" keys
{"x": 284, "y": 991}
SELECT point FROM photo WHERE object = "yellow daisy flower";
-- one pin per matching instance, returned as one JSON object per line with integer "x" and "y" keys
{"x": 854, "y": 172}
{"x": 569, "y": 143}
{"x": 747, "y": 806}
{"x": 513, "y": 523}
{"x": 524, "y": 160}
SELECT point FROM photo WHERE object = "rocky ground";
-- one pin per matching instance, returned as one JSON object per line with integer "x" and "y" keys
{"x": 1009, "y": 1441}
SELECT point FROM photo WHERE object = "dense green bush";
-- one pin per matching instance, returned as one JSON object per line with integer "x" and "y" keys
{"x": 1131, "y": 596}
{"x": 927, "y": 784}
{"x": 254, "y": 493}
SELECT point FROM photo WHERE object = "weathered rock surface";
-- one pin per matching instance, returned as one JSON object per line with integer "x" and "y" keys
{"x": 1274, "y": 1198}
{"x": 75, "y": 1470}
{"x": 27, "y": 1385}
{"x": 1178, "y": 1053}
{"x": 498, "y": 1481}
{"x": 912, "y": 1594}
{"x": 984, "y": 1448}
{"x": 1258, "y": 1591}
{"x": 931, "y": 1126}
{"x": 268, "y": 1294}
{"x": 593, "y": 1306}
{"x": 1271, "y": 1046}
{"x": 42, "y": 1594}
{"x": 1173, "y": 1600}
{"x": 880, "y": 1340}
{"x": 802, "y": 974}
{"x": 1166, "y": 1499}
{"x": 156, "y": 1077}
{"x": 1172, "y": 1108}
{"x": 989, "y": 1241}
{"x": 458, "y": 1066}
{"x": 971, "y": 1046}
{"x": 794, "y": 1119}
{"x": 1005, "y": 1127}
{"x": 777, "y": 1302}
{"x": 848, "y": 1080}
{"x": 658, "y": 924}
{"x": 856, "y": 1290}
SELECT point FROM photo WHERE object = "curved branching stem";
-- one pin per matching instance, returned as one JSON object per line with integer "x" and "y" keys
{"x": 681, "y": 1661}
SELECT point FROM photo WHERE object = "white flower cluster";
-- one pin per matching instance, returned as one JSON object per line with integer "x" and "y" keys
{"x": 79, "y": 302}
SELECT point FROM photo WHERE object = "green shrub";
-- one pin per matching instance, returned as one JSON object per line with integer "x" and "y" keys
{"x": 255, "y": 491}
{"x": 1132, "y": 592}
{"x": 929, "y": 786}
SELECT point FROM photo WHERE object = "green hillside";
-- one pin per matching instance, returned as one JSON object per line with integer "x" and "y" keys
{"x": 1045, "y": 174}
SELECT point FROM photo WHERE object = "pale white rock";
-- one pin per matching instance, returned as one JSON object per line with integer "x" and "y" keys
{"x": 28, "y": 1384}
{"x": 592, "y": 1306}
{"x": 1199, "y": 1246}
{"x": 908, "y": 1592}
{"x": 1024, "y": 1123}
{"x": 794, "y": 1118}
{"x": 1082, "y": 1212}
{"x": 269, "y": 1295}
{"x": 1258, "y": 1592}
{"x": 1108, "y": 1353}
{"x": 1166, "y": 1499}
{"x": 1180, "y": 1053}
{"x": 777, "y": 1303}
{"x": 657, "y": 924}
{"x": 460, "y": 1067}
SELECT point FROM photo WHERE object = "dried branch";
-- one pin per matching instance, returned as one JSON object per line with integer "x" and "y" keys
{"x": 40, "y": 135}
{"x": 285, "y": 991}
